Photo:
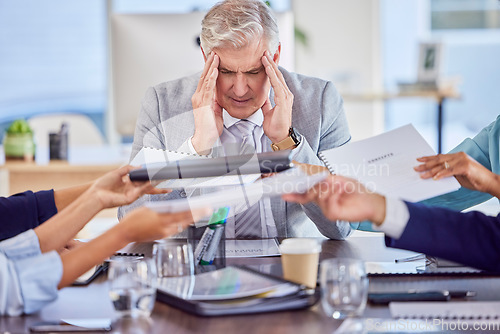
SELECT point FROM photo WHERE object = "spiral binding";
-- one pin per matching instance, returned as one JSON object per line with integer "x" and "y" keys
{"x": 172, "y": 151}
{"x": 327, "y": 164}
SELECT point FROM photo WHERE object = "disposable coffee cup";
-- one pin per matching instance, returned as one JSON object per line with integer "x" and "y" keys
{"x": 299, "y": 259}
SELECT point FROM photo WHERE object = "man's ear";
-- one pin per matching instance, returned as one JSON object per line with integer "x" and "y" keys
{"x": 203, "y": 53}
{"x": 276, "y": 56}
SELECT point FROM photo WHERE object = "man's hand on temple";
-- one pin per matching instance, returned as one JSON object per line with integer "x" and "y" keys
{"x": 277, "y": 120}
{"x": 208, "y": 120}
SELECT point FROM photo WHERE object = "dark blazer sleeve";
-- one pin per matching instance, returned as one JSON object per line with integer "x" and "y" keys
{"x": 471, "y": 238}
{"x": 24, "y": 211}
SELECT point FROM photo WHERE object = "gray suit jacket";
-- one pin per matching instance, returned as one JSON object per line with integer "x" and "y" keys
{"x": 166, "y": 122}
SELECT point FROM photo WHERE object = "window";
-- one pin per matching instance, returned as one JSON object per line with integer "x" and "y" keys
{"x": 465, "y": 14}
{"x": 52, "y": 58}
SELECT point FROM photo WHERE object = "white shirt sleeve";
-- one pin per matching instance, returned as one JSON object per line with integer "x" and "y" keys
{"x": 28, "y": 278}
{"x": 191, "y": 147}
{"x": 396, "y": 218}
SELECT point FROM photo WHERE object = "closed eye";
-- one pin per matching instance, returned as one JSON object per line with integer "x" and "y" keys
{"x": 255, "y": 71}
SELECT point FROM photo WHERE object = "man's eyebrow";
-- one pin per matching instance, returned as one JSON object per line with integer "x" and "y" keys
{"x": 222, "y": 68}
{"x": 256, "y": 69}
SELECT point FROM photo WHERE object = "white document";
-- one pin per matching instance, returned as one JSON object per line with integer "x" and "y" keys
{"x": 252, "y": 248}
{"x": 384, "y": 164}
{"x": 293, "y": 180}
{"x": 149, "y": 155}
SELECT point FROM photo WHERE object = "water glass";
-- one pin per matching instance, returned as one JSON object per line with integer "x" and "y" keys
{"x": 173, "y": 259}
{"x": 344, "y": 287}
{"x": 132, "y": 286}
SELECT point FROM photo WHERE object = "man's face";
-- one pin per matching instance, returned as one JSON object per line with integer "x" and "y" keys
{"x": 242, "y": 85}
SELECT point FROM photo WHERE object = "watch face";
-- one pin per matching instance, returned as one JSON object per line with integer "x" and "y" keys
{"x": 294, "y": 136}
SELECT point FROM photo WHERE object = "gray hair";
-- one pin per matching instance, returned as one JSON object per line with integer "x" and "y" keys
{"x": 237, "y": 23}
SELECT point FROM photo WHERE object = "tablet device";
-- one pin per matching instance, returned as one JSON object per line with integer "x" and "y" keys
{"x": 260, "y": 163}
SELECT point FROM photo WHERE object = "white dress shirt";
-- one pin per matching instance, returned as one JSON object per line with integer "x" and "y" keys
{"x": 28, "y": 278}
{"x": 396, "y": 218}
{"x": 228, "y": 137}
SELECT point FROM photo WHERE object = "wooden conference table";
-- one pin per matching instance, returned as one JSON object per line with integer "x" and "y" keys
{"x": 93, "y": 302}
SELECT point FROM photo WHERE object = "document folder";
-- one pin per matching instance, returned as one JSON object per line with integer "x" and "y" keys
{"x": 234, "y": 290}
{"x": 260, "y": 163}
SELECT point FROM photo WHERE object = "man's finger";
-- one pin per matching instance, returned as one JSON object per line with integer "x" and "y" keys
{"x": 206, "y": 68}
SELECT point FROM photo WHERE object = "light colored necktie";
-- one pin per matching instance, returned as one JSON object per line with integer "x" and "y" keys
{"x": 247, "y": 223}
{"x": 245, "y": 130}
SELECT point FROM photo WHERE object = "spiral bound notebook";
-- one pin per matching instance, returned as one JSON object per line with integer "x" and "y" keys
{"x": 384, "y": 163}
{"x": 469, "y": 310}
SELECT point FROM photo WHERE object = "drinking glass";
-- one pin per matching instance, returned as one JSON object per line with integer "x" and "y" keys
{"x": 132, "y": 286}
{"x": 173, "y": 259}
{"x": 344, "y": 287}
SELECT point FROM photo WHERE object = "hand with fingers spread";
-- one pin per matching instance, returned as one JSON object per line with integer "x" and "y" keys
{"x": 469, "y": 172}
{"x": 208, "y": 120}
{"x": 277, "y": 120}
{"x": 115, "y": 188}
{"x": 343, "y": 198}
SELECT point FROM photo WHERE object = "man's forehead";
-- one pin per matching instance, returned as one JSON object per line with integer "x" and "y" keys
{"x": 245, "y": 59}
{"x": 243, "y": 65}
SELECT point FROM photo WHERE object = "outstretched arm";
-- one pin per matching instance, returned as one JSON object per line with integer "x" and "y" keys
{"x": 112, "y": 189}
{"x": 139, "y": 226}
{"x": 341, "y": 198}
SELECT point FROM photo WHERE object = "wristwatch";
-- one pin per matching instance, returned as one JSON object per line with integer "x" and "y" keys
{"x": 290, "y": 142}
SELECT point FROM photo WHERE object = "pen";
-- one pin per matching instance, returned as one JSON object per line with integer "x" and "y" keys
{"x": 462, "y": 294}
{"x": 411, "y": 258}
{"x": 203, "y": 243}
{"x": 451, "y": 293}
{"x": 209, "y": 242}
{"x": 209, "y": 255}
{"x": 217, "y": 217}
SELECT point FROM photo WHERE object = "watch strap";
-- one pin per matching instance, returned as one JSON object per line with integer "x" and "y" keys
{"x": 288, "y": 143}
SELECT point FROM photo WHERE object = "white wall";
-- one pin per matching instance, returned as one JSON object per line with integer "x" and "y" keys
{"x": 344, "y": 47}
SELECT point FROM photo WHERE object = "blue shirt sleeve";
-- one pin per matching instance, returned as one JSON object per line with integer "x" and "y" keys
{"x": 484, "y": 148}
{"x": 28, "y": 279}
{"x": 24, "y": 211}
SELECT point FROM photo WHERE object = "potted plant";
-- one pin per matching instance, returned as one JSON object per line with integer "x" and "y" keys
{"x": 18, "y": 143}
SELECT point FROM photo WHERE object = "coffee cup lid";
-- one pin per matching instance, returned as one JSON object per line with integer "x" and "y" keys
{"x": 300, "y": 246}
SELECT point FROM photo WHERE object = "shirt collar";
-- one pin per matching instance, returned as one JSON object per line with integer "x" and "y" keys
{"x": 256, "y": 118}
